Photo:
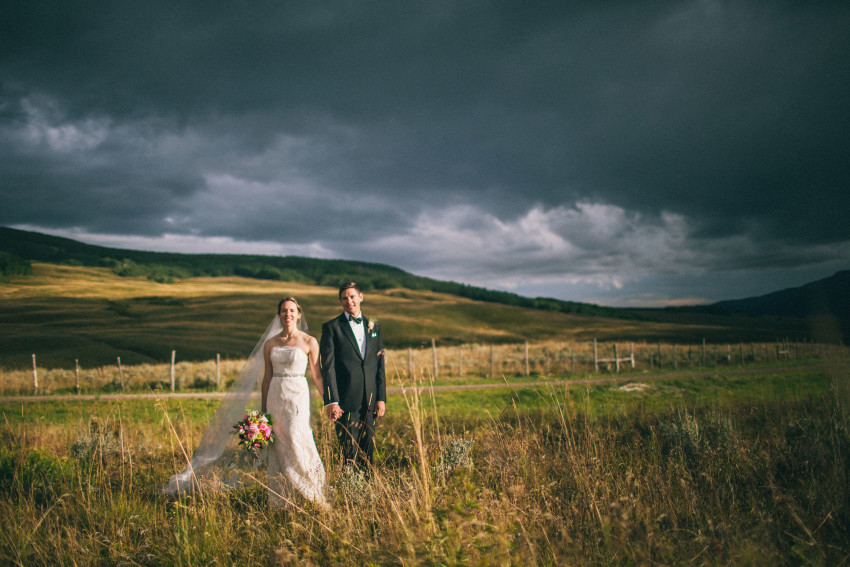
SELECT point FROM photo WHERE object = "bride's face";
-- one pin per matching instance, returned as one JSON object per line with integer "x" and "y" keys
{"x": 289, "y": 314}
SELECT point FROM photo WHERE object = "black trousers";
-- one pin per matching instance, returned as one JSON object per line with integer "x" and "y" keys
{"x": 356, "y": 433}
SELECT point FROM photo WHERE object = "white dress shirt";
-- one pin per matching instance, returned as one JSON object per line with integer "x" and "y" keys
{"x": 359, "y": 331}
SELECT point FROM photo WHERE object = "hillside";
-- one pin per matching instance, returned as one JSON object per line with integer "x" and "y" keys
{"x": 66, "y": 300}
{"x": 18, "y": 248}
{"x": 829, "y": 296}
{"x": 823, "y": 304}
{"x": 64, "y": 313}
{"x": 821, "y": 309}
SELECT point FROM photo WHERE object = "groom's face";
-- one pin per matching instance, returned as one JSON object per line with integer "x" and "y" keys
{"x": 350, "y": 300}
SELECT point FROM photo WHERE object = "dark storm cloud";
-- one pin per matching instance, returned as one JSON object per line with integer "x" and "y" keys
{"x": 482, "y": 141}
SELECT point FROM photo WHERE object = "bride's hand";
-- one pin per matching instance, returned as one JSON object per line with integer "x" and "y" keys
{"x": 334, "y": 412}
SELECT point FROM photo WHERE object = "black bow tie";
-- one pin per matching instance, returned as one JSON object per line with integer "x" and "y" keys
{"x": 357, "y": 320}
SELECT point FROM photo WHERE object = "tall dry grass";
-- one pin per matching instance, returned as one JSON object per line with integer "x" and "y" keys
{"x": 740, "y": 484}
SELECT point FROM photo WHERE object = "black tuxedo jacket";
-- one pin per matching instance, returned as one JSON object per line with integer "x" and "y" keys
{"x": 349, "y": 380}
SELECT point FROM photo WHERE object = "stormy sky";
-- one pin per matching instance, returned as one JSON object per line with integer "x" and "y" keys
{"x": 622, "y": 153}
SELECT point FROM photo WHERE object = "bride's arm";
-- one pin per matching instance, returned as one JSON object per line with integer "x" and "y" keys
{"x": 267, "y": 375}
{"x": 315, "y": 370}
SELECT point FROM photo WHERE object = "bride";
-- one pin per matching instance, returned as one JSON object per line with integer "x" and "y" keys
{"x": 293, "y": 459}
{"x": 281, "y": 358}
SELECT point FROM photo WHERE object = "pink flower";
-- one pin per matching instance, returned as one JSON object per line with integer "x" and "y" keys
{"x": 253, "y": 429}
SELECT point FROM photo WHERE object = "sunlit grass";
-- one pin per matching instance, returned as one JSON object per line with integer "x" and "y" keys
{"x": 741, "y": 469}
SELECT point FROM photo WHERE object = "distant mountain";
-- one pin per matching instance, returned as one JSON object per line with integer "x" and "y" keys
{"x": 824, "y": 305}
{"x": 829, "y": 296}
{"x": 18, "y": 248}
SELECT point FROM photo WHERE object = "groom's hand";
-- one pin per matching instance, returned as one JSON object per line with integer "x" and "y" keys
{"x": 334, "y": 412}
{"x": 380, "y": 409}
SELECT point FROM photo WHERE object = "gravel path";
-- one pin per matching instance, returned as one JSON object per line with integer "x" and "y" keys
{"x": 438, "y": 388}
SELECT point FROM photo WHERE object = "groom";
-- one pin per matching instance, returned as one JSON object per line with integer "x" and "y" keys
{"x": 355, "y": 390}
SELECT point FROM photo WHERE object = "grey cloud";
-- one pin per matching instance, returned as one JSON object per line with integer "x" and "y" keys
{"x": 271, "y": 119}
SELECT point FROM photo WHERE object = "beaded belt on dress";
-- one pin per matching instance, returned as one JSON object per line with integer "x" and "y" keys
{"x": 288, "y": 376}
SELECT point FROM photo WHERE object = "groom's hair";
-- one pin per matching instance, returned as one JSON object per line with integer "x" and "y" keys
{"x": 349, "y": 285}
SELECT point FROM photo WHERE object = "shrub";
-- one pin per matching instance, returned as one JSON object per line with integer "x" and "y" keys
{"x": 455, "y": 453}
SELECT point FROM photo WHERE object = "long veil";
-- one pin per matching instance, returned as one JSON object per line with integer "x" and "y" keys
{"x": 219, "y": 461}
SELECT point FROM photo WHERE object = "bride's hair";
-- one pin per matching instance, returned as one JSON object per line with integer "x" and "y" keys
{"x": 293, "y": 300}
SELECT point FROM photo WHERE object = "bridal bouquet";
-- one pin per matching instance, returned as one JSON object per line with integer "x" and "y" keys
{"x": 254, "y": 430}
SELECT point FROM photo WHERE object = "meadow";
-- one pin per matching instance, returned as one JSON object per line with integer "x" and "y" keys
{"x": 726, "y": 444}
{"x": 725, "y": 469}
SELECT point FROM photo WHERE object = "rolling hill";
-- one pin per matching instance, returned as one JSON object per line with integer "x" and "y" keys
{"x": 818, "y": 311}
{"x": 19, "y": 248}
{"x": 823, "y": 304}
{"x": 66, "y": 300}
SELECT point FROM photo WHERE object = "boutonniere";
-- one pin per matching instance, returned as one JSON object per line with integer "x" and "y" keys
{"x": 371, "y": 327}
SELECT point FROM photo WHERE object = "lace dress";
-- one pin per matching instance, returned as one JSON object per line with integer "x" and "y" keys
{"x": 293, "y": 458}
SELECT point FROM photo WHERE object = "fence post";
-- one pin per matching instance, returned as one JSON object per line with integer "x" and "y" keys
{"x": 595, "y": 357}
{"x": 77, "y": 375}
{"x": 120, "y": 374}
{"x": 173, "y": 356}
{"x": 616, "y": 359}
{"x": 434, "y": 350}
{"x": 527, "y": 373}
{"x": 218, "y": 371}
{"x": 34, "y": 376}
{"x": 492, "y": 363}
{"x": 546, "y": 350}
{"x": 659, "y": 355}
{"x": 632, "y": 354}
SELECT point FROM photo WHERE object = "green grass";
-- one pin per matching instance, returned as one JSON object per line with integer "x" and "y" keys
{"x": 610, "y": 399}
{"x": 719, "y": 470}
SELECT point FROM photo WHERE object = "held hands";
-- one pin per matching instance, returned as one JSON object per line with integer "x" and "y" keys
{"x": 334, "y": 412}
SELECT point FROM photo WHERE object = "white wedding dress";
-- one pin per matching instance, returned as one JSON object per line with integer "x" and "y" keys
{"x": 293, "y": 459}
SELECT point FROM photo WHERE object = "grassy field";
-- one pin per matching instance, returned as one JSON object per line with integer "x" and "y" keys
{"x": 63, "y": 313}
{"x": 745, "y": 464}
{"x": 725, "y": 469}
